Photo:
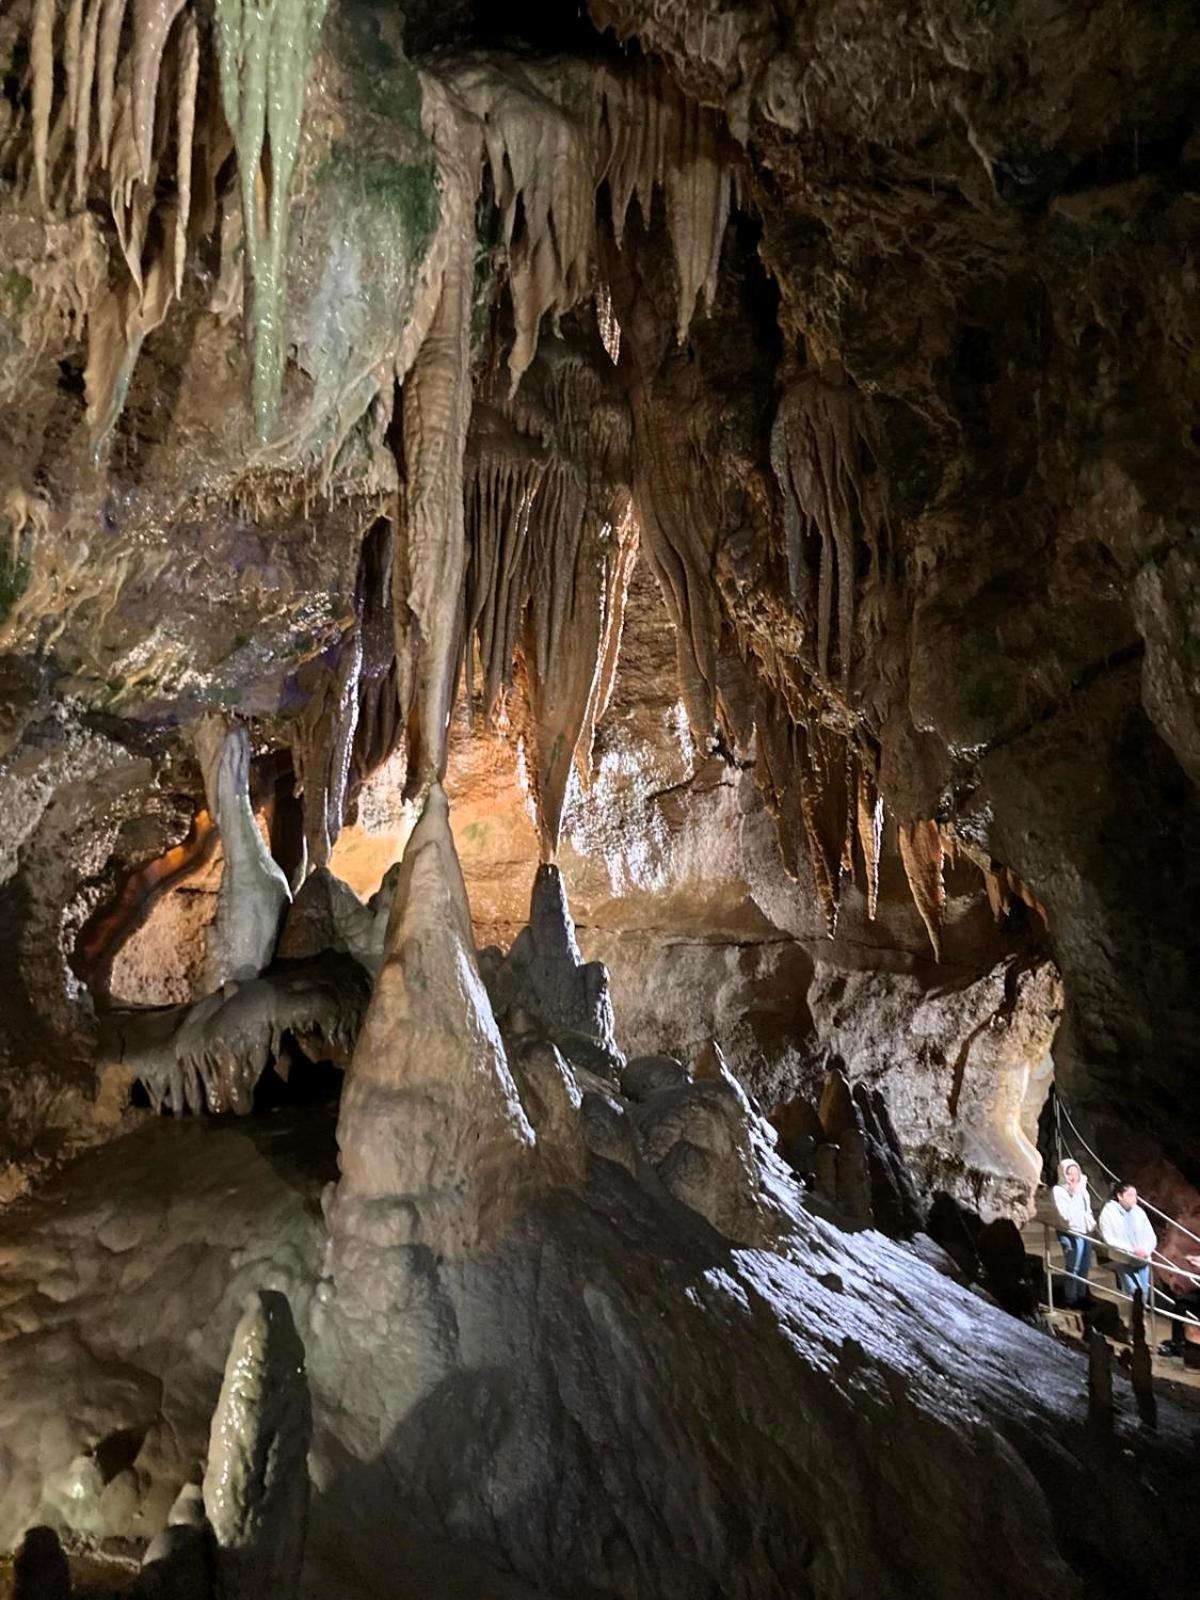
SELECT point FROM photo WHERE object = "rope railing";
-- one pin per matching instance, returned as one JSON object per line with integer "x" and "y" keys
{"x": 1160, "y": 1258}
{"x": 1152, "y": 1303}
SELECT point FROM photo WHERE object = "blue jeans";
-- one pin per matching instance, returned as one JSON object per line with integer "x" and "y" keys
{"x": 1130, "y": 1278}
{"x": 1077, "y": 1258}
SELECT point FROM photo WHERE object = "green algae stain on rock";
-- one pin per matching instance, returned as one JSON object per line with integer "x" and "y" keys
{"x": 14, "y": 580}
{"x": 266, "y": 57}
{"x": 15, "y": 290}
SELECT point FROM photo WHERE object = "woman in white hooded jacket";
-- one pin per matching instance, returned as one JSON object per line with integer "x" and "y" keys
{"x": 1073, "y": 1208}
{"x": 1127, "y": 1230}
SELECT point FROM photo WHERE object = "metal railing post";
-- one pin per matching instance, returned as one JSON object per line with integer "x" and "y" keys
{"x": 1049, "y": 1278}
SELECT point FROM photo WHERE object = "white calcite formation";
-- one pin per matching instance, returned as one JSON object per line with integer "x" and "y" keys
{"x": 433, "y": 1141}
{"x": 254, "y": 892}
{"x": 256, "y": 1486}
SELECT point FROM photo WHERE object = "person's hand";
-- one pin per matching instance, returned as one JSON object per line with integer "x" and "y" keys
{"x": 1142, "y": 1255}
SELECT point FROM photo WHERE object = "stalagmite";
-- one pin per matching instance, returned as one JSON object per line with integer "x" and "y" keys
{"x": 40, "y": 1570}
{"x": 1100, "y": 1390}
{"x": 253, "y": 890}
{"x": 1141, "y": 1370}
{"x": 545, "y": 977}
{"x": 434, "y": 1145}
{"x": 256, "y": 1488}
{"x": 922, "y": 853}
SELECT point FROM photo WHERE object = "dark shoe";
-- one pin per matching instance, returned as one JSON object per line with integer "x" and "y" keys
{"x": 1169, "y": 1349}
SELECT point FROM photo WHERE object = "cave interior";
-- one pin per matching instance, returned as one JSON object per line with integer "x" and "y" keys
{"x": 599, "y": 742}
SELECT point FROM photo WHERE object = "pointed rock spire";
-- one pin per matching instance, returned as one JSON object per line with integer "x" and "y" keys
{"x": 434, "y": 1144}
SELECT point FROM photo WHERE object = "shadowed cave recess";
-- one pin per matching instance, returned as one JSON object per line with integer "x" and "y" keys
{"x": 599, "y": 731}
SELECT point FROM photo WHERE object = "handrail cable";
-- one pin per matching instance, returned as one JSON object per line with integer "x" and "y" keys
{"x": 1185, "y": 1317}
{"x": 1060, "y": 1111}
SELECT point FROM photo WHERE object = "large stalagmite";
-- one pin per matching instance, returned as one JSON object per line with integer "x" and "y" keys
{"x": 434, "y": 1145}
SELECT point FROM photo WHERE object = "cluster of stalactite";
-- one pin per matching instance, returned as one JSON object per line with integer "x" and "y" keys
{"x": 821, "y": 787}
{"x": 524, "y": 496}
{"x": 349, "y": 723}
{"x": 546, "y": 160}
{"x": 116, "y": 110}
{"x": 638, "y": 135}
{"x": 552, "y": 543}
{"x": 124, "y": 102}
{"x": 825, "y": 452}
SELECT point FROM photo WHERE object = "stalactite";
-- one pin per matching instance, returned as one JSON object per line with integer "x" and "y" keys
{"x": 698, "y": 185}
{"x": 322, "y": 743}
{"x": 548, "y": 158}
{"x": 922, "y": 852}
{"x": 81, "y": 109}
{"x": 552, "y": 543}
{"x": 870, "y": 833}
{"x": 657, "y": 137}
{"x": 674, "y": 499}
{"x": 504, "y": 474}
{"x": 152, "y": 20}
{"x": 118, "y": 322}
{"x": 824, "y": 797}
{"x": 117, "y": 86}
{"x": 622, "y": 557}
{"x": 825, "y": 450}
{"x": 42, "y": 63}
{"x": 266, "y": 53}
{"x": 112, "y": 19}
{"x": 185, "y": 123}
{"x": 806, "y": 774}
{"x": 428, "y": 583}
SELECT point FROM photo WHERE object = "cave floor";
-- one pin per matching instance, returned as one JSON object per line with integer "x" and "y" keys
{"x": 121, "y": 1280}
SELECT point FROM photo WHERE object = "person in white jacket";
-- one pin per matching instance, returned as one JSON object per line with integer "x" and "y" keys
{"x": 1073, "y": 1208}
{"x": 1126, "y": 1228}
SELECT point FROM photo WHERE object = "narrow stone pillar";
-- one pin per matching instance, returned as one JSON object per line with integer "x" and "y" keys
{"x": 1100, "y": 1389}
{"x": 1140, "y": 1372}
